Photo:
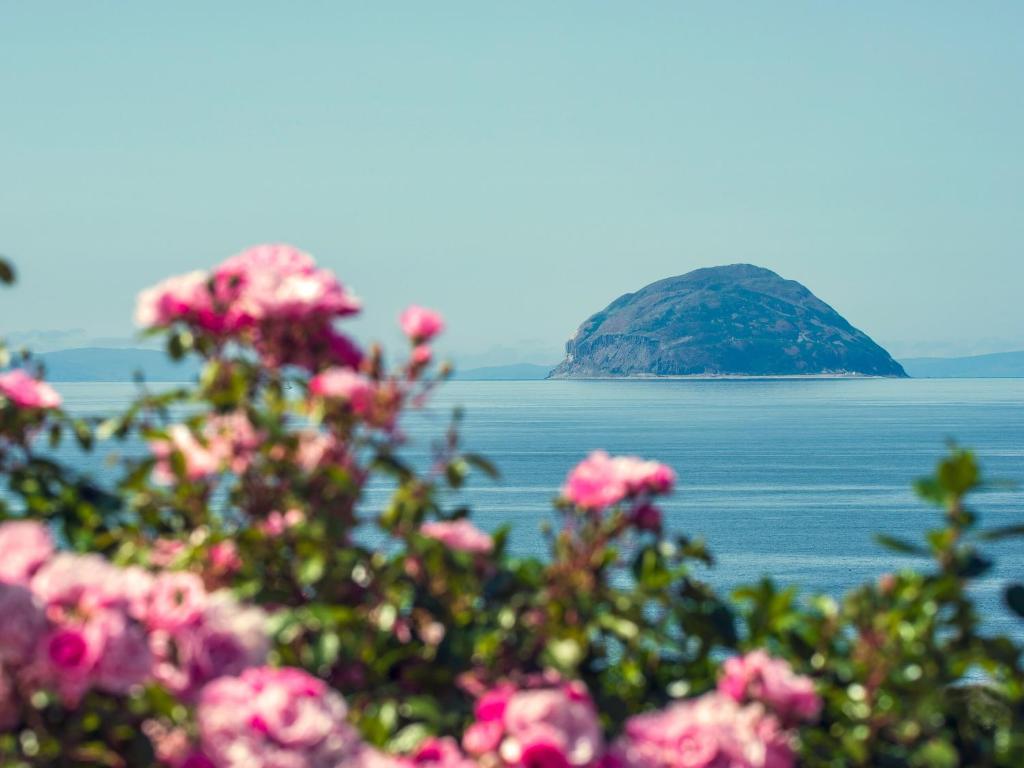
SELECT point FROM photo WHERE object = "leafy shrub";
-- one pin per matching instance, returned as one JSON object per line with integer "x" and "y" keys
{"x": 220, "y": 605}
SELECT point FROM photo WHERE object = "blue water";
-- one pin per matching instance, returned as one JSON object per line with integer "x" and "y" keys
{"x": 787, "y": 478}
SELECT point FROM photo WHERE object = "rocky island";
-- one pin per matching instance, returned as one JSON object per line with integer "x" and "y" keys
{"x": 736, "y": 320}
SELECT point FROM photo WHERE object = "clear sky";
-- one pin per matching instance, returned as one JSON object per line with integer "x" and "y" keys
{"x": 519, "y": 165}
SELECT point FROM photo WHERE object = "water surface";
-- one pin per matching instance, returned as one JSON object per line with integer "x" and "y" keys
{"x": 788, "y": 478}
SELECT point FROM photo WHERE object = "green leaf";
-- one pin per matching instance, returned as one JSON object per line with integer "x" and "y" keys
{"x": 975, "y": 565}
{"x": 1004, "y": 532}
{"x": 83, "y": 434}
{"x": 900, "y": 545}
{"x": 456, "y": 472}
{"x": 1014, "y": 597}
{"x": 311, "y": 569}
{"x": 564, "y": 653}
{"x": 408, "y": 738}
{"x": 483, "y": 464}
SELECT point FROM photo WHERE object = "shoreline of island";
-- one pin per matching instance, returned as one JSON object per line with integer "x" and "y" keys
{"x": 724, "y": 377}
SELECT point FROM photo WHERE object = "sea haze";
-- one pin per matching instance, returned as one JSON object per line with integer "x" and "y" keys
{"x": 788, "y": 478}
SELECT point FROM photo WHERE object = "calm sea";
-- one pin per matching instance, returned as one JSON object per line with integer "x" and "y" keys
{"x": 787, "y": 478}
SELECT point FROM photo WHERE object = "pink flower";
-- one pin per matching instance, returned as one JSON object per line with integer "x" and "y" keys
{"x": 600, "y": 481}
{"x": 71, "y": 585}
{"x": 313, "y": 448}
{"x": 226, "y": 639}
{"x": 482, "y": 737}
{"x": 542, "y": 727}
{"x": 27, "y": 392}
{"x": 421, "y": 355}
{"x": 460, "y": 535}
{"x": 595, "y": 483}
{"x": 271, "y": 296}
{"x": 420, "y": 324}
{"x": 199, "y": 460}
{"x": 540, "y": 723}
{"x": 224, "y": 557}
{"x": 279, "y": 717}
{"x": 443, "y": 753}
{"x": 233, "y": 440}
{"x": 544, "y": 750}
{"x": 125, "y": 661}
{"x": 490, "y": 707}
{"x": 278, "y": 281}
{"x": 276, "y": 523}
{"x": 176, "y": 599}
{"x": 87, "y": 625}
{"x": 344, "y": 384}
{"x": 69, "y": 654}
{"x": 165, "y": 552}
{"x": 644, "y": 476}
{"x": 176, "y": 298}
{"x": 22, "y": 624}
{"x": 228, "y": 442}
{"x": 706, "y": 732}
{"x": 759, "y": 677}
{"x": 24, "y": 546}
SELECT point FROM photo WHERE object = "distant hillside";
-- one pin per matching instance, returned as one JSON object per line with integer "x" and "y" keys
{"x": 738, "y": 319}
{"x": 1001, "y": 365}
{"x": 113, "y": 364}
{"x": 515, "y": 372}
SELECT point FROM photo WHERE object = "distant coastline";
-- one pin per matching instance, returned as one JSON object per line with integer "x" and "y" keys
{"x": 97, "y": 364}
{"x": 722, "y": 377}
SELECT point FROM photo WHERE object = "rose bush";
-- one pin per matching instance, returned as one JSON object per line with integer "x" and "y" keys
{"x": 220, "y": 606}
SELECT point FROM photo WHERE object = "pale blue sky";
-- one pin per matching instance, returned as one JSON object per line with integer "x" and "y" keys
{"x": 519, "y": 165}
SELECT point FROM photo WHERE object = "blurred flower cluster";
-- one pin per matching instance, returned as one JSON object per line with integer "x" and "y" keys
{"x": 236, "y": 600}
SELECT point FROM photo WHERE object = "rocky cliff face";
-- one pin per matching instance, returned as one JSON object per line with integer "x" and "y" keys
{"x": 739, "y": 320}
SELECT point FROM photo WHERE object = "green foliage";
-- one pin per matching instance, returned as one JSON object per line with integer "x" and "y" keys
{"x": 407, "y": 629}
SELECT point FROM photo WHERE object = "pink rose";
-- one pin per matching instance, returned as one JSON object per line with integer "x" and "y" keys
{"x": 176, "y": 599}
{"x": 232, "y": 439}
{"x": 553, "y": 719}
{"x": 482, "y": 737}
{"x": 759, "y": 677}
{"x": 24, "y": 546}
{"x": 125, "y": 661}
{"x": 276, "y": 523}
{"x": 69, "y": 654}
{"x": 224, "y": 557}
{"x": 274, "y": 717}
{"x": 71, "y": 585}
{"x": 543, "y": 752}
{"x": 199, "y": 460}
{"x": 27, "y": 392}
{"x": 595, "y": 483}
{"x": 443, "y": 753}
{"x": 600, "y": 481}
{"x": 165, "y": 552}
{"x": 420, "y": 324}
{"x": 22, "y": 625}
{"x": 313, "y": 447}
{"x": 225, "y": 640}
{"x": 460, "y": 535}
{"x": 706, "y": 732}
{"x": 421, "y": 355}
{"x": 644, "y": 476}
{"x": 345, "y": 384}
{"x": 278, "y": 281}
{"x": 176, "y": 298}
{"x": 492, "y": 704}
